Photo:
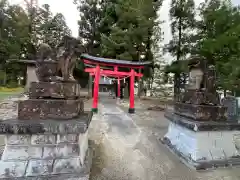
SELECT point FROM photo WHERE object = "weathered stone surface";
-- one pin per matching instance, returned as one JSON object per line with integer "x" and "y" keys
{"x": 70, "y": 165}
{"x": 61, "y": 151}
{"x": 53, "y": 177}
{"x": 204, "y": 149}
{"x": 83, "y": 143}
{"x": 12, "y": 152}
{"x": 43, "y": 139}
{"x": 12, "y": 169}
{"x": 62, "y": 90}
{"x": 39, "y": 167}
{"x": 53, "y": 109}
{"x": 202, "y": 125}
{"x": 67, "y": 138}
{"x": 73, "y": 126}
{"x": 17, "y": 139}
{"x": 64, "y": 177}
{"x": 47, "y": 71}
{"x": 201, "y": 112}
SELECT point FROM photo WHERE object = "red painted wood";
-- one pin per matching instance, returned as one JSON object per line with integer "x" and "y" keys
{"x": 96, "y": 87}
{"x": 131, "y": 99}
{"x": 109, "y": 64}
{"x": 119, "y": 87}
{"x": 113, "y": 73}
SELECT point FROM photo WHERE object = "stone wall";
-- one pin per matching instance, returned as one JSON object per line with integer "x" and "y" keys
{"x": 44, "y": 155}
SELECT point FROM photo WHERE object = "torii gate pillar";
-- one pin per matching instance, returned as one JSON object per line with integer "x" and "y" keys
{"x": 131, "y": 99}
{"x": 96, "y": 89}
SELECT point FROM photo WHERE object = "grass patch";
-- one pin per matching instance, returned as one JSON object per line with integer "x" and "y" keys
{"x": 6, "y": 92}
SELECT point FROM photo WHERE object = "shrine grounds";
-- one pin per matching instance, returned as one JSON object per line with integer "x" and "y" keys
{"x": 127, "y": 147}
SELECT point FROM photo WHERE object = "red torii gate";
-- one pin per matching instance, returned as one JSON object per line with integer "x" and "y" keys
{"x": 97, "y": 72}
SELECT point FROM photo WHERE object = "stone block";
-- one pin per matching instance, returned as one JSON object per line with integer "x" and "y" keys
{"x": 203, "y": 149}
{"x": 12, "y": 169}
{"x": 67, "y": 138}
{"x": 43, "y": 139}
{"x": 217, "y": 154}
{"x": 34, "y": 109}
{"x": 62, "y": 90}
{"x": 51, "y": 126}
{"x": 39, "y": 167}
{"x": 64, "y": 177}
{"x": 70, "y": 165}
{"x": 83, "y": 144}
{"x": 17, "y": 139}
{"x": 21, "y": 152}
{"x": 61, "y": 151}
{"x": 201, "y": 112}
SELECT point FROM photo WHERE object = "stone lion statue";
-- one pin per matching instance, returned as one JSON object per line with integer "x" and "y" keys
{"x": 67, "y": 53}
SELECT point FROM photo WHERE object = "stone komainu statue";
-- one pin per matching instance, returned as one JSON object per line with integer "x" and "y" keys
{"x": 62, "y": 65}
{"x": 202, "y": 83}
{"x": 68, "y": 52}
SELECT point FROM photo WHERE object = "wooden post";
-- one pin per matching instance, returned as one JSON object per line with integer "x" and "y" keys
{"x": 96, "y": 89}
{"x": 131, "y": 103}
{"x": 119, "y": 88}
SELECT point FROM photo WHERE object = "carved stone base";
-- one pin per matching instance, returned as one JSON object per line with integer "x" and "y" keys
{"x": 49, "y": 126}
{"x": 203, "y": 145}
{"x": 49, "y": 109}
{"x": 46, "y": 157}
{"x": 200, "y": 98}
{"x": 63, "y": 90}
{"x": 201, "y": 112}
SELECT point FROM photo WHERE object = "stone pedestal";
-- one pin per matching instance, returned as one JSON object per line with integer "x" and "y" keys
{"x": 50, "y": 108}
{"x": 201, "y": 112}
{"x": 49, "y": 140}
{"x": 203, "y": 145}
{"x": 58, "y": 90}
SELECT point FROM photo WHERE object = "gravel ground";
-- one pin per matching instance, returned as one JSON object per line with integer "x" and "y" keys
{"x": 127, "y": 147}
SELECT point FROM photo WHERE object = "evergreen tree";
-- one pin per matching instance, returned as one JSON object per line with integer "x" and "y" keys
{"x": 182, "y": 13}
{"x": 218, "y": 42}
{"x": 89, "y": 24}
{"x": 130, "y": 30}
{"x": 22, "y": 30}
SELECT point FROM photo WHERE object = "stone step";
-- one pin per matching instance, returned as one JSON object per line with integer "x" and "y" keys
{"x": 57, "y": 169}
{"x": 34, "y": 109}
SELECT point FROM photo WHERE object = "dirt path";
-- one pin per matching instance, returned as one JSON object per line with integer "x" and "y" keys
{"x": 128, "y": 148}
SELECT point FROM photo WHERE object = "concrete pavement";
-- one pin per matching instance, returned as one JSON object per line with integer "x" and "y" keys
{"x": 127, "y": 147}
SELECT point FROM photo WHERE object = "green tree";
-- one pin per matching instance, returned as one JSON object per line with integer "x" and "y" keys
{"x": 182, "y": 13}
{"x": 130, "y": 29}
{"x": 89, "y": 24}
{"x": 22, "y": 30}
{"x": 218, "y": 40}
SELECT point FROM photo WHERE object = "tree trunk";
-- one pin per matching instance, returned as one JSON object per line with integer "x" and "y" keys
{"x": 177, "y": 75}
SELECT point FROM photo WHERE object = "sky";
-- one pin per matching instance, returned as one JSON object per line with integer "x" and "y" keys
{"x": 69, "y": 10}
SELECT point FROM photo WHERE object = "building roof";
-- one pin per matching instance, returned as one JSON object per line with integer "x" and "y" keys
{"x": 115, "y": 61}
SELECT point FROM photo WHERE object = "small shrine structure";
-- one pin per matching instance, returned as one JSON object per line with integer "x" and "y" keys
{"x": 115, "y": 64}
